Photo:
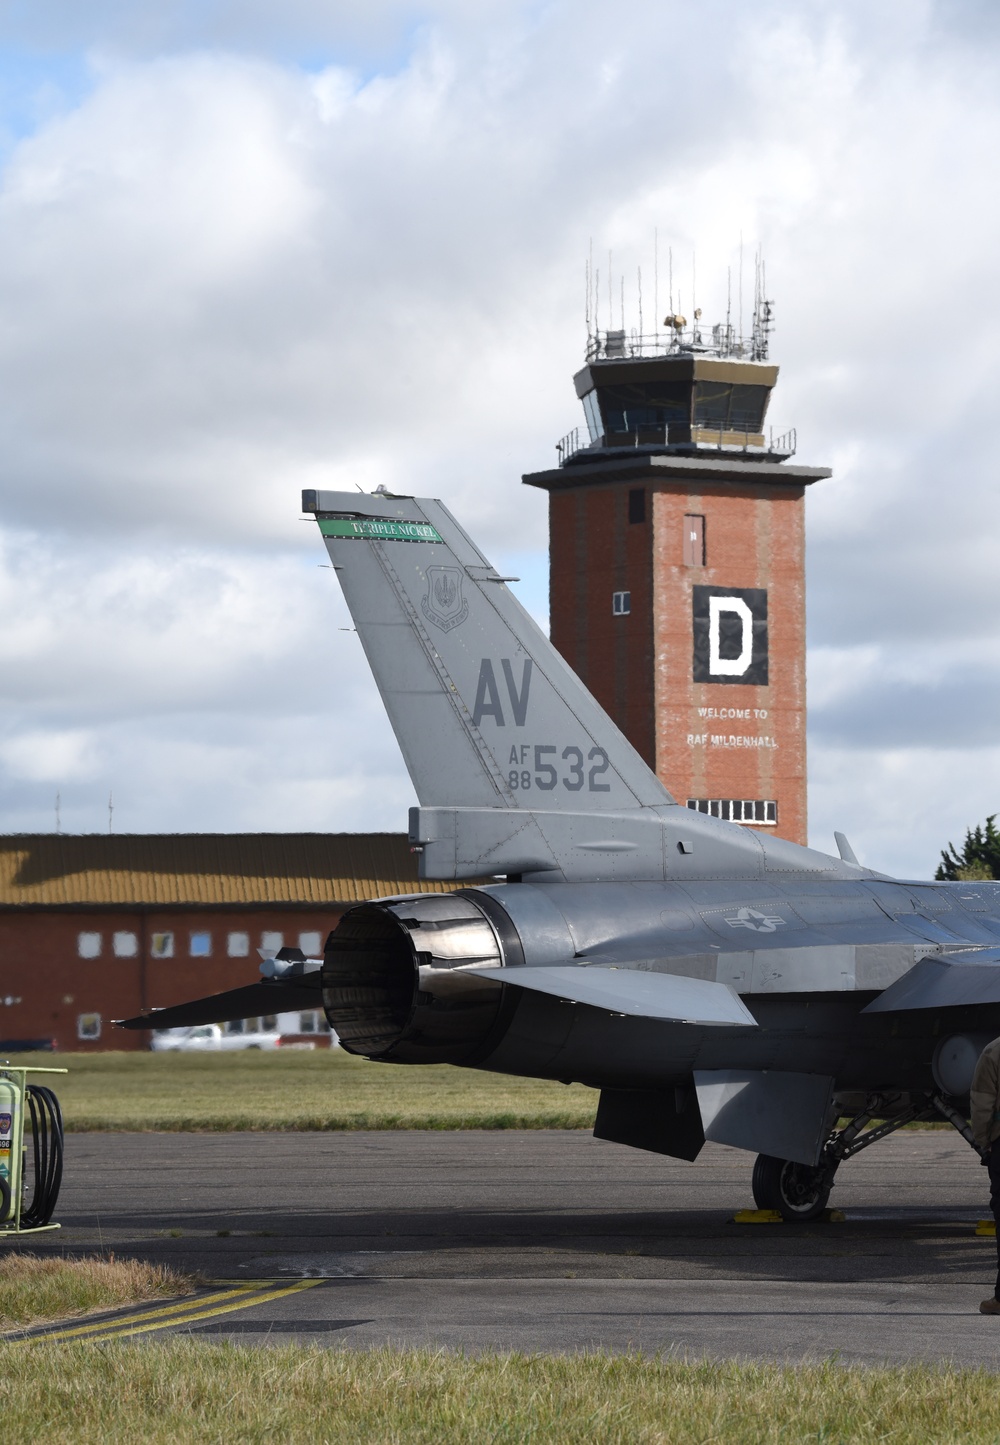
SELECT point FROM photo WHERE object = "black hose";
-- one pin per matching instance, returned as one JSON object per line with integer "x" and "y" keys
{"x": 47, "y": 1141}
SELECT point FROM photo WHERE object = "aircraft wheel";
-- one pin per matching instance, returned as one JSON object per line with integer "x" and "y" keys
{"x": 797, "y": 1191}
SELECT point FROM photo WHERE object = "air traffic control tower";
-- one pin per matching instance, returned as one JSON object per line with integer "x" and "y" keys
{"x": 677, "y": 588}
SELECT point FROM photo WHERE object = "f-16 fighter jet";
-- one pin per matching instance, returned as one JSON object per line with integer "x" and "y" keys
{"x": 711, "y": 981}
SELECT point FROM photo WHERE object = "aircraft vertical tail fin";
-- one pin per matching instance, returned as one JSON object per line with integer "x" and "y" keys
{"x": 486, "y": 712}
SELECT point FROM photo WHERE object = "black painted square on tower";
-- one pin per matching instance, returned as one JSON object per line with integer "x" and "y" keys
{"x": 730, "y": 635}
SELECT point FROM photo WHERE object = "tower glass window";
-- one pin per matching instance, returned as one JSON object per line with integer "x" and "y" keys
{"x": 731, "y": 408}
{"x": 637, "y": 504}
{"x": 592, "y": 412}
{"x": 641, "y": 406}
{"x": 621, "y": 603}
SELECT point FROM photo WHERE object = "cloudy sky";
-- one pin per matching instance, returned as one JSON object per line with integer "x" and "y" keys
{"x": 250, "y": 246}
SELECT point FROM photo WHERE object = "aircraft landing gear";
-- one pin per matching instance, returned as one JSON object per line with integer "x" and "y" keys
{"x": 797, "y": 1191}
{"x": 800, "y": 1192}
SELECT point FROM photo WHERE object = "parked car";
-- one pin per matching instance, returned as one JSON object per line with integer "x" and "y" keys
{"x": 210, "y": 1036}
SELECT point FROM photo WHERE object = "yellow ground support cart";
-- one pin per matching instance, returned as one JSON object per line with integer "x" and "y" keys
{"x": 37, "y": 1107}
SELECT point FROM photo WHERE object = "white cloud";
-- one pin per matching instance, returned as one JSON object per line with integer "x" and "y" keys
{"x": 47, "y": 756}
{"x": 901, "y": 806}
{"x": 265, "y": 251}
{"x": 152, "y": 632}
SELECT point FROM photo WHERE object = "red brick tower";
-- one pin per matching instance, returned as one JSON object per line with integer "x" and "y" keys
{"x": 677, "y": 587}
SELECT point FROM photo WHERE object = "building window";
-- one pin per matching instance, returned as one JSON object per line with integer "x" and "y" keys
{"x": 761, "y": 811}
{"x": 162, "y": 945}
{"x": 271, "y": 942}
{"x": 621, "y": 603}
{"x": 201, "y": 945}
{"x": 591, "y": 410}
{"x": 694, "y": 540}
{"x": 125, "y": 945}
{"x": 88, "y": 945}
{"x": 88, "y": 1026}
{"x": 311, "y": 945}
{"x": 637, "y": 504}
{"x": 238, "y": 945}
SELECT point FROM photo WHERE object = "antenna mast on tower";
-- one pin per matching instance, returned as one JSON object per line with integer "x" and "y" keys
{"x": 763, "y": 311}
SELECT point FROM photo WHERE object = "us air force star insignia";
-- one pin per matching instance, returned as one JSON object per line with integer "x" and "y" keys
{"x": 443, "y": 603}
{"x": 756, "y": 922}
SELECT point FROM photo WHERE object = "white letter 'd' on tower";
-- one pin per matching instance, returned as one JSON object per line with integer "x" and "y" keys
{"x": 729, "y": 666}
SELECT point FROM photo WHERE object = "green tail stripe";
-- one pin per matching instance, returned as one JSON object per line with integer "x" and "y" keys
{"x": 377, "y": 529}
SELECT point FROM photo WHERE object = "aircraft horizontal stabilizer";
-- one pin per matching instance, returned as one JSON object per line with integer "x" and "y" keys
{"x": 946, "y": 981}
{"x": 235, "y": 1003}
{"x": 632, "y": 991}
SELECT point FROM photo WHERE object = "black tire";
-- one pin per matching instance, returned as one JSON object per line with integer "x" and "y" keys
{"x": 799, "y": 1192}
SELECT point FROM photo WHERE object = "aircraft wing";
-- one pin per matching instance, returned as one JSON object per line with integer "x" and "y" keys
{"x": 632, "y": 991}
{"x": 946, "y": 981}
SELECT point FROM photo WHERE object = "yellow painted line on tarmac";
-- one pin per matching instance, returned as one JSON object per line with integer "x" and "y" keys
{"x": 197, "y": 1310}
{"x": 240, "y": 1286}
{"x": 178, "y": 1307}
{"x": 138, "y": 1327}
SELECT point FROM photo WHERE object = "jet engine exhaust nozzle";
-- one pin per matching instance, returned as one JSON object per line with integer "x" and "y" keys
{"x": 390, "y": 985}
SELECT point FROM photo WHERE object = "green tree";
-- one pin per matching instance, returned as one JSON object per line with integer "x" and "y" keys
{"x": 979, "y": 856}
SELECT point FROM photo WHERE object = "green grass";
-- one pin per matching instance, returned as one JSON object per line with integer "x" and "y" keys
{"x": 191, "y": 1391}
{"x": 34, "y": 1290}
{"x": 324, "y": 1089}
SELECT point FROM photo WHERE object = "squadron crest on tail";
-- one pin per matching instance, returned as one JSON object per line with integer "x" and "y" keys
{"x": 443, "y": 603}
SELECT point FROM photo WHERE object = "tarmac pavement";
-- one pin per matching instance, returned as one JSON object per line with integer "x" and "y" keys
{"x": 548, "y": 1241}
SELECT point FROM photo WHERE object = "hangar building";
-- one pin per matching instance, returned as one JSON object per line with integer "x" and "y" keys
{"x": 96, "y": 927}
